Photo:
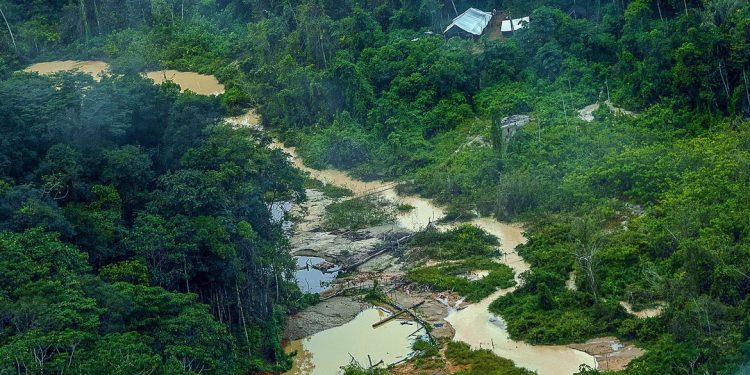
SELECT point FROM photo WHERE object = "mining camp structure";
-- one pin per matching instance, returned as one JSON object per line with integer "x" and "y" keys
{"x": 474, "y": 22}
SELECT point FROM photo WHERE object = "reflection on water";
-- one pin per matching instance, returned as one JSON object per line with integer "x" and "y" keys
{"x": 201, "y": 84}
{"x": 198, "y": 83}
{"x": 325, "y": 352}
{"x": 312, "y": 279}
{"x": 278, "y": 215}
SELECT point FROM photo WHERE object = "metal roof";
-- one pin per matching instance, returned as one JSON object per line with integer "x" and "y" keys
{"x": 518, "y": 23}
{"x": 472, "y": 21}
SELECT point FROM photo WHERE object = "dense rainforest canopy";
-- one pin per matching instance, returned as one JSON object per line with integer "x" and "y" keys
{"x": 143, "y": 220}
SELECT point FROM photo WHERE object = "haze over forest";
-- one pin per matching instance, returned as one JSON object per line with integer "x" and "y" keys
{"x": 374, "y": 187}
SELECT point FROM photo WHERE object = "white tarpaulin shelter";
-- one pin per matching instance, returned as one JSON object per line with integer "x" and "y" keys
{"x": 509, "y": 26}
{"x": 472, "y": 21}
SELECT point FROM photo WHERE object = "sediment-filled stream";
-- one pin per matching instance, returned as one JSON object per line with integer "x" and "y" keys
{"x": 474, "y": 325}
{"x": 326, "y": 351}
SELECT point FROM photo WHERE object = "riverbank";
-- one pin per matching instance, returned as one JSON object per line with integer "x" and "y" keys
{"x": 473, "y": 323}
{"x": 433, "y": 311}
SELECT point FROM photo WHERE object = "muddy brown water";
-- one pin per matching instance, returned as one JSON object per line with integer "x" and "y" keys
{"x": 423, "y": 213}
{"x": 474, "y": 325}
{"x": 93, "y": 68}
{"x": 325, "y": 352}
{"x": 201, "y": 84}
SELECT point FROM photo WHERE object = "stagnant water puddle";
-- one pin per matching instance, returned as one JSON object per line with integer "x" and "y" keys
{"x": 278, "y": 214}
{"x": 314, "y": 275}
{"x": 325, "y": 352}
{"x": 93, "y": 68}
{"x": 200, "y": 84}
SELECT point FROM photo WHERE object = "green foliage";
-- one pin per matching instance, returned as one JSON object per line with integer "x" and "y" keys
{"x": 481, "y": 361}
{"x": 462, "y": 242}
{"x": 359, "y": 212}
{"x": 359, "y": 370}
{"x": 455, "y": 277}
{"x": 360, "y": 86}
{"x": 164, "y": 205}
{"x": 329, "y": 190}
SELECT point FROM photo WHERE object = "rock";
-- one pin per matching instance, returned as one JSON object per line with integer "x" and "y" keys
{"x": 325, "y": 315}
{"x": 510, "y": 124}
{"x": 610, "y": 353}
{"x": 308, "y": 238}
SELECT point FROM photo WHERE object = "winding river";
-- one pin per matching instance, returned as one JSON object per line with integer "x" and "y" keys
{"x": 474, "y": 325}
{"x": 324, "y": 352}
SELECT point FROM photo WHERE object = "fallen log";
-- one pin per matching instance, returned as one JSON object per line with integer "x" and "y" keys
{"x": 414, "y": 315}
{"x": 387, "y": 248}
{"x": 397, "y": 314}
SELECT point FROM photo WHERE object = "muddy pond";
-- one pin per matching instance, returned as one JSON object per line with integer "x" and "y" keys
{"x": 325, "y": 352}
{"x": 201, "y": 84}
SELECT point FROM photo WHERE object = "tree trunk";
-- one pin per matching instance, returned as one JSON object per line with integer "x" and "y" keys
{"x": 96, "y": 15}
{"x": 325, "y": 60}
{"x": 82, "y": 9}
{"x": 12, "y": 39}
{"x": 658, "y": 6}
{"x": 242, "y": 316}
{"x": 724, "y": 81}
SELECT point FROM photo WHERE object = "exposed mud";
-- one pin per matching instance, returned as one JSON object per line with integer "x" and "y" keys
{"x": 308, "y": 238}
{"x": 587, "y": 113}
{"x": 249, "y": 119}
{"x": 610, "y": 353}
{"x": 325, "y": 315}
{"x": 645, "y": 313}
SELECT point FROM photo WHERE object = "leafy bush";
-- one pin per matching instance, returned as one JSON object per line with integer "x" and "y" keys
{"x": 453, "y": 276}
{"x": 481, "y": 362}
{"x": 329, "y": 190}
{"x": 458, "y": 243}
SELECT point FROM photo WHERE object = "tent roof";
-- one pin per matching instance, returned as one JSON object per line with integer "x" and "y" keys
{"x": 518, "y": 24}
{"x": 472, "y": 21}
